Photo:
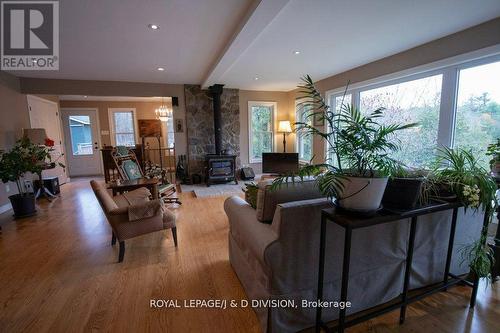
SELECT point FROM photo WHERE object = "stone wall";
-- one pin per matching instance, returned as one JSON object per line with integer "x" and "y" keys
{"x": 200, "y": 125}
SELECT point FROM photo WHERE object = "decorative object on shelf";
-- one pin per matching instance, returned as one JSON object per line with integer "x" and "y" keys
{"x": 24, "y": 157}
{"x": 285, "y": 128}
{"x": 179, "y": 125}
{"x": 361, "y": 145}
{"x": 163, "y": 113}
{"x": 493, "y": 150}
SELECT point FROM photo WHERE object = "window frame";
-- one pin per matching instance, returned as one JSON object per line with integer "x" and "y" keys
{"x": 298, "y": 137}
{"x": 111, "y": 118}
{"x": 448, "y": 68}
{"x": 251, "y": 104}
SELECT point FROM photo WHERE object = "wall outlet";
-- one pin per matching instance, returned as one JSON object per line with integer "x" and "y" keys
{"x": 7, "y": 188}
{"x": 28, "y": 184}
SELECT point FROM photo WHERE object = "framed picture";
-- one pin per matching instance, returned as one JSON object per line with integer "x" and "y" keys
{"x": 318, "y": 120}
{"x": 179, "y": 125}
{"x": 149, "y": 128}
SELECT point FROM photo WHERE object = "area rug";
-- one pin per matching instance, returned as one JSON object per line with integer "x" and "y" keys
{"x": 216, "y": 190}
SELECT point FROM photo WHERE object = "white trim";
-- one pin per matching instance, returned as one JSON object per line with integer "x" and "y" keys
{"x": 5, "y": 208}
{"x": 298, "y": 136}
{"x": 274, "y": 105}
{"x": 111, "y": 111}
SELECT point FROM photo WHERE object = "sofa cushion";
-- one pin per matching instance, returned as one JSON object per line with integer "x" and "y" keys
{"x": 267, "y": 199}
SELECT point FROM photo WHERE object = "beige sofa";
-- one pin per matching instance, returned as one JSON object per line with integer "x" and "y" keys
{"x": 279, "y": 259}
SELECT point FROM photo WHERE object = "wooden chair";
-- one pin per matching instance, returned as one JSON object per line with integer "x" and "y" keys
{"x": 129, "y": 168}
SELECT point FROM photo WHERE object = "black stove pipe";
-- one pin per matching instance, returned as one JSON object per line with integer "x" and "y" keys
{"x": 216, "y": 92}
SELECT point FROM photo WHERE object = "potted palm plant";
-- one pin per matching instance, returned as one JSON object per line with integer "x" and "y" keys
{"x": 24, "y": 157}
{"x": 360, "y": 144}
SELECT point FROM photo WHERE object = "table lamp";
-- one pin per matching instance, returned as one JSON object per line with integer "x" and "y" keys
{"x": 35, "y": 135}
{"x": 284, "y": 127}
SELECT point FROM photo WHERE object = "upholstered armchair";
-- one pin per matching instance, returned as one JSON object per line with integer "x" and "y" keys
{"x": 133, "y": 214}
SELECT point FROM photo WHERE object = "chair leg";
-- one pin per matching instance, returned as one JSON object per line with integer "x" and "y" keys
{"x": 174, "y": 235}
{"x": 122, "y": 251}
{"x": 113, "y": 239}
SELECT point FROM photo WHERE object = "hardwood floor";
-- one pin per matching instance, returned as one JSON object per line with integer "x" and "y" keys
{"x": 58, "y": 273}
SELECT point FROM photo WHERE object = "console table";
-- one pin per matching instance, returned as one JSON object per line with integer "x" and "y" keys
{"x": 351, "y": 222}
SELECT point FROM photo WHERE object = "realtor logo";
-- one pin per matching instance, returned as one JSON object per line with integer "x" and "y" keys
{"x": 30, "y": 35}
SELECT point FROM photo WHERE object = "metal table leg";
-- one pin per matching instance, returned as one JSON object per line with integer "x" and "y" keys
{"x": 345, "y": 277}
{"x": 450, "y": 245}
{"x": 321, "y": 271}
{"x": 409, "y": 259}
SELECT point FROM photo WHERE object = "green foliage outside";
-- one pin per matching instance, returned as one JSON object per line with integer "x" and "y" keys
{"x": 262, "y": 135}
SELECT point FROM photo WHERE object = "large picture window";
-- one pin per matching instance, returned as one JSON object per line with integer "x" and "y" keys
{"x": 415, "y": 101}
{"x": 304, "y": 140}
{"x": 477, "y": 120}
{"x": 455, "y": 105}
{"x": 261, "y": 124}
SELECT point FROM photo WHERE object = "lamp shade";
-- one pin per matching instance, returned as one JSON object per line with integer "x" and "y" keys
{"x": 35, "y": 135}
{"x": 284, "y": 126}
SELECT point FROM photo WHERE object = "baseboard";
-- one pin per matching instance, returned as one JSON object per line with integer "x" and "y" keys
{"x": 5, "y": 208}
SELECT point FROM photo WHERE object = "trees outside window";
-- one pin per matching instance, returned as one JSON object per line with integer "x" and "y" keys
{"x": 304, "y": 140}
{"x": 409, "y": 102}
{"x": 477, "y": 117}
{"x": 261, "y": 125}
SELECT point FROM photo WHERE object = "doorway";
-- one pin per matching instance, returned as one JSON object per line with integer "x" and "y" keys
{"x": 81, "y": 133}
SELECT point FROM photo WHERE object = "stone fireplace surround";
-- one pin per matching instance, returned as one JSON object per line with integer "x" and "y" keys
{"x": 200, "y": 126}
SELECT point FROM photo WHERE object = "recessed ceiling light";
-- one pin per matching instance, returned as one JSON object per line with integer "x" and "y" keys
{"x": 256, "y": 78}
{"x": 296, "y": 52}
{"x": 85, "y": 96}
{"x": 153, "y": 26}
{"x": 161, "y": 69}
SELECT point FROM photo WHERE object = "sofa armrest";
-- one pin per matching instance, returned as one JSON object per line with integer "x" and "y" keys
{"x": 246, "y": 230}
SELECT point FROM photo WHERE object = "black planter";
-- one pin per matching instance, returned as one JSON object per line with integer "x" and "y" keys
{"x": 23, "y": 205}
{"x": 402, "y": 193}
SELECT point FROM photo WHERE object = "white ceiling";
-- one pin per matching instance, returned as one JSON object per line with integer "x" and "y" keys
{"x": 335, "y": 36}
{"x": 110, "y": 40}
{"x": 233, "y": 41}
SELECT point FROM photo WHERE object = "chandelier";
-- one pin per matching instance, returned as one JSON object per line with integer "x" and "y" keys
{"x": 163, "y": 113}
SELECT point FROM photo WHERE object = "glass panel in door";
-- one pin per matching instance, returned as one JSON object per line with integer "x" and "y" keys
{"x": 81, "y": 135}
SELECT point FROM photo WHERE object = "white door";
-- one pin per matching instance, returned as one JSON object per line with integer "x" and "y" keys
{"x": 45, "y": 114}
{"x": 81, "y": 141}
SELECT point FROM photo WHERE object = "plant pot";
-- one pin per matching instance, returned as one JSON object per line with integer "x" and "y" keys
{"x": 23, "y": 205}
{"x": 402, "y": 193}
{"x": 362, "y": 194}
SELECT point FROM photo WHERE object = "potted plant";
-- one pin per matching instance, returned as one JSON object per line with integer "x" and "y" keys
{"x": 360, "y": 144}
{"x": 462, "y": 173}
{"x": 493, "y": 150}
{"x": 24, "y": 157}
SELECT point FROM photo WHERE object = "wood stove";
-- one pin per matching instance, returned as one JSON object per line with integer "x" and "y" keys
{"x": 220, "y": 167}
